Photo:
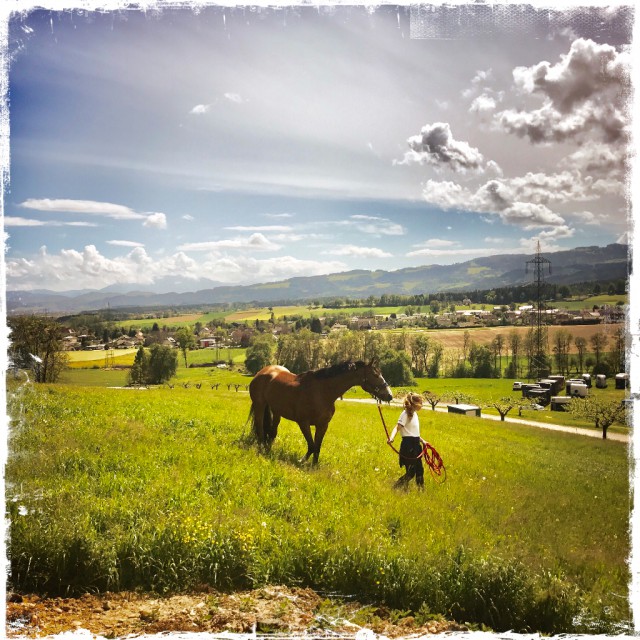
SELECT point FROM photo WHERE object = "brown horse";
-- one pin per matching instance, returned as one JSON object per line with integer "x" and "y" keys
{"x": 307, "y": 398}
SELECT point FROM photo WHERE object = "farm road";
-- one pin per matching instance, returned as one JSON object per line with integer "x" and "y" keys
{"x": 619, "y": 437}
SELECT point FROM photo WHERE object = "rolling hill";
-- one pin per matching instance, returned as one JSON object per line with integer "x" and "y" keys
{"x": 581, "y": 264}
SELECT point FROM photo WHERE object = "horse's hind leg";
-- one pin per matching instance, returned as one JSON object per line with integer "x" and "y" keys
{"x": 321, "y": 429}
{"x": 258, "y": 421}
{"x": 305, "y": 427}
{"x": 272, "y": 432}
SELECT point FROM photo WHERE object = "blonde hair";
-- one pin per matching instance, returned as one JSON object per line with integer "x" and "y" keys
{"x": 412, "y": 402}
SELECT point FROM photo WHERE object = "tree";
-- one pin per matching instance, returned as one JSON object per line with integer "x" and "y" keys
{"x": 581, "y": 347}
{"x": 395, "y": 366}
{"x": 185, "y": 340}
{"x": 316, "y": 325}
{"x": 36, "y": 344}
{"x": 561, "y": 344}
{"x": 420, "y": 345}
{"x": 162, "y": 365}
{"x": 432, "y": 398}
{"x": 598, "y": 343}
{"x": 480, "y": 361}
{"x": 139, "y": 370}
{"x": 603, "y": 413}
{"x": 503, "y": 405}
{"x": 436, "y": 359}
{"x": 514, "y": 345}
{"x": 259, "y": 354}
{"x": 617, "y": 357}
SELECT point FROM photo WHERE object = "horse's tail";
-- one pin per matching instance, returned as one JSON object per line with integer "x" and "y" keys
{"x": 261, "y": 433}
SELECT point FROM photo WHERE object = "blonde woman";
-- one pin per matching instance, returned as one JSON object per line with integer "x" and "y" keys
{"x": 412, "y": 443}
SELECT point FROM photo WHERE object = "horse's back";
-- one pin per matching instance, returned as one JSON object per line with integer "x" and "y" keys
{"x": 267, "y": 375}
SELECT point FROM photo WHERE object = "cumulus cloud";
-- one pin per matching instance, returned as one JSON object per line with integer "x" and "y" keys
{"x": 583, "y": 95}
{"x": 503, "y": 198}
{"x": 483, "y": 104}
{"x": 359, "y": 252}
{"x": 71, "y": 269}
{"x": 436, "y": 146}
{"x": 156, "y": 221}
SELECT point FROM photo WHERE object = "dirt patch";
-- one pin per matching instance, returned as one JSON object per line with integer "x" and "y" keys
{"x": 271, "y": 610}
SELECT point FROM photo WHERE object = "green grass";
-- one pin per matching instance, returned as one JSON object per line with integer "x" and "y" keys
{"x": 529, "y": 531}
{"x": 588, "y": 303}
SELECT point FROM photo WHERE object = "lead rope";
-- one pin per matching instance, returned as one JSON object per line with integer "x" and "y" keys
{"x": 424, "y": 449}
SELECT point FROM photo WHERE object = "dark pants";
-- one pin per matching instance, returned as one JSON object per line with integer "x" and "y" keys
{"x": 410, "y": 449}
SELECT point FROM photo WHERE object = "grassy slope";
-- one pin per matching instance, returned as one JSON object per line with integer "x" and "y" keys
{"x": 165, "y": 493}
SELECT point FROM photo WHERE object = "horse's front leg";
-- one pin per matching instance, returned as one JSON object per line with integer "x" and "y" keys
{"x": 321, "y": 429}
{"x": 305, "y": 427}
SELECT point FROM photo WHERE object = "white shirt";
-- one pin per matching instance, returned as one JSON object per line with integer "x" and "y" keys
{"x": 407, "y": 426}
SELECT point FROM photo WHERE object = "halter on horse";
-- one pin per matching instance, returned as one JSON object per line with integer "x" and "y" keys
{"x": 308, "y": 398}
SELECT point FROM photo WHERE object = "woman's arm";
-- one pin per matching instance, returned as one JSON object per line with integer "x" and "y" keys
{"x": 393, "y": 433}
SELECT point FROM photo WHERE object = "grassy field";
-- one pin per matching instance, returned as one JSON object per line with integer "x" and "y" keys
{"x": 530, "y": 532}
{"x": 307, "y": 311}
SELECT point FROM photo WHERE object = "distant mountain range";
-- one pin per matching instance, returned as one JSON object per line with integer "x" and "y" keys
{"x": 581, "y": 264}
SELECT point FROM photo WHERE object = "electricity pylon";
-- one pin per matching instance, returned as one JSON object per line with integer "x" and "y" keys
{"x": 540, "y": 365}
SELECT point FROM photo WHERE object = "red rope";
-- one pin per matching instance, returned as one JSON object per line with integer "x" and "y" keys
{"x": 424, "y": 448}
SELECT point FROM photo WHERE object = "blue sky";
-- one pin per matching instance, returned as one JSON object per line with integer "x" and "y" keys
{"x": 255, "y": 145}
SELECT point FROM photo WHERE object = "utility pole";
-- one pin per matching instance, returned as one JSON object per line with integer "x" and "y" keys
{"x": 538, "y": 265}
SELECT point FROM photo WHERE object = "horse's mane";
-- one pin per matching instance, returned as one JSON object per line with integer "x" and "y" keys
{"x": 334, "y": 370}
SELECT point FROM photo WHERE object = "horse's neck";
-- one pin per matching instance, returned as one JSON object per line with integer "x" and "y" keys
{"x": 341, "y": 384}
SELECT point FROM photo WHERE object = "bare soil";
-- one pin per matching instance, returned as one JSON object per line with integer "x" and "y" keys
{"x": 271, "y": 610}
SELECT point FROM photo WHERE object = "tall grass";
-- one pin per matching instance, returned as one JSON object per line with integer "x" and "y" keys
{"x": 162, "y": 490}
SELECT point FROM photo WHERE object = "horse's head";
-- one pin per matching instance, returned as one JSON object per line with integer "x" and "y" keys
{"x": 374, "y": 383}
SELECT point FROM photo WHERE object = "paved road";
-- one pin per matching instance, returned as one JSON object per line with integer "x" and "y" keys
{"x": 619, "y": 437}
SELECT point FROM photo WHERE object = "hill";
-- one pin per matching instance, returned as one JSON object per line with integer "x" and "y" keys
{"x": 581, "y": 264}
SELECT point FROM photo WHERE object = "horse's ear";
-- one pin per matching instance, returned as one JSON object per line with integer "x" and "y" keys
{"x": 375, "y": 362}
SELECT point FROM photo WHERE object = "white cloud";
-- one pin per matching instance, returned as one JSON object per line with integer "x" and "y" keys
{"x": 234, "y": 97}
{"x": 471, "y": 251}
{"x": 436, "y": 146}
{"x": 522, "y": 200}
{"x": 256, "y": 242}
{"x": 71, "y": 269}
{"x": 16, "y": 221}
{"x": 435, "y": 243}
{"x": 583, "y": 95}
{"x": 483, "y": 104}
{"x": 91, "y": 207}
{"x": 156, "y": 221}
{"x": 95, "y": 208}
{"x": 125, "y": 243}
{"x": 359, "y": 252}
{"x": 187, "y": 217}
{"x": 200, "y": 109}
{"x": 375, "y": 225}
{"x": 281, "y": 228}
